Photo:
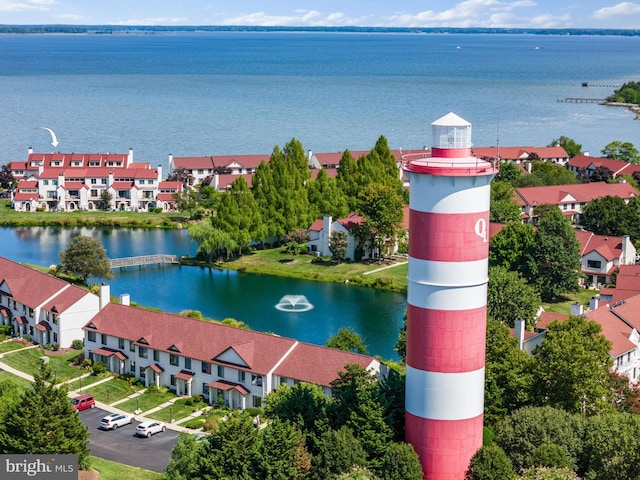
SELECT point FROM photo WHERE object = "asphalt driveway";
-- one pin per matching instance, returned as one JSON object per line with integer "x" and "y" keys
{"x": 121, "y": 445}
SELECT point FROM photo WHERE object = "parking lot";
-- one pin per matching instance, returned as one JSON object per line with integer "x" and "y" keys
{"x": 121, "y": 445}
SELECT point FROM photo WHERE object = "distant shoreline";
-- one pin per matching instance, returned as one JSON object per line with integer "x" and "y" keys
{"x": 120, "y": 29}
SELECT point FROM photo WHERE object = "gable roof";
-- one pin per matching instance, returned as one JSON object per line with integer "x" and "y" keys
{"x": 31, "y": 287}
{"x": 577, "y": 193}
{"x": 610, "y": 248}
{"x": 520, "y": 153}
{"x": 618, "y": 167}
{"x": 319, "y": 365}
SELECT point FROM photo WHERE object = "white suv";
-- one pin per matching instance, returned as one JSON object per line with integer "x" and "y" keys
{"x": 146, "y": 429}
{"x": 116, "y": 420}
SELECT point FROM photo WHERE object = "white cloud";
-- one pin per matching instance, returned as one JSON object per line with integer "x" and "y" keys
{"x": 153, "y": 21}
{"x": 70, "y": 16}
{"x": 29, "y": 5}
{"x": 621, "y": 10}
{"x": 312, "y": 18}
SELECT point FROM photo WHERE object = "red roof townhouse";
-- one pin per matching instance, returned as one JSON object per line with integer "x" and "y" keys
{"x": 588, "y": 164}
{"x": 76, "y": 181}
{"x": 571, "y": 199}
{"x": 42, "y": 307}
{"x": 520, "y": 155}
{"x": 227, "y": 365}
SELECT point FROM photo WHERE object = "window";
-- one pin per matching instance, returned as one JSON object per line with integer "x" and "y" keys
{"x": 55, "y": 319}
{"x": 143, "y": 371}
{"x": 55, "y": 337}
{"x": 94, "y": 192}
{"x": 45, "y": 182}
{"x": 132, "y": 367}
{"x": 241, "y": 376}
{"x": 205, "y": 389}
{"x": 284, "y": 381}
{"x": 172, "y": 380}
{"x": 257, "y": 401}
{"x": 94, "y": 181}
{"x": 121, "y": 343}
{"x": 173, "y": 360}
{"x": 132, "y": 347}
{"x": 594, "y": 263}
{"x": 30, "y": 312}
{"x": 187, "y": 363}
{"x": 142, "y": 352}
{"x": 220, "y": 371}
{"x": 256, "y": 380}
{"x": 91, "y": 336}
{"x": 103, "y": 181}
{"x": 103, "y": 339}
{"x": 156, "y": 356}
{"x": 206, "y": 367}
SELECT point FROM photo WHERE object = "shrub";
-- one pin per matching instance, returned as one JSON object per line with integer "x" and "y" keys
{"x": 47, "y": 346}
{"x": 100, "y": 367}
{"x": 77, "y": 344}
{"x": 55, "y": 347}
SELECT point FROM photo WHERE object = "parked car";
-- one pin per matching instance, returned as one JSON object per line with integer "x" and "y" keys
{"x": 146, "y": 429}
{"x": 82, "y": 402}
{"x": 116, "y": 420}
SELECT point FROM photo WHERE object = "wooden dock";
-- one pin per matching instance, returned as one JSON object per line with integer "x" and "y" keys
{"x": 143, "y": 260}
{"x": 582, "y": 100}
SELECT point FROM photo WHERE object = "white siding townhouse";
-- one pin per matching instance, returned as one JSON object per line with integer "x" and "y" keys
{"x": 66, "y": 182}
{"x": 227, "y": 365}
{"x": 42, "y": 307}
{"x": 518, "y": 155}
{"x": 601, "y": 256}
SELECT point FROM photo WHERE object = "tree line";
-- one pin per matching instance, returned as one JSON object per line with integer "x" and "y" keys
{"x": 284, "y": 200}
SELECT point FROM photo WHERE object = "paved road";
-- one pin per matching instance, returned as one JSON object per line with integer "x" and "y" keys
{"x": 121, "y": 445}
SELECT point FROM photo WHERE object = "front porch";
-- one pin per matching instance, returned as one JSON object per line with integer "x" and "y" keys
{"x": 233, "y": 395}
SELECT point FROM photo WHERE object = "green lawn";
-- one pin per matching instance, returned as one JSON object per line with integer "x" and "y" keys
{"x": 10, "y": 346}
{"x": 10, "y": 217}
{"x": 148, "y": 400}
{"x": 176, "y": 411}
{"x": 83, "y": 383}
{"x": 563, "y": 305}
{"x": 117, "y": 471}
{"x": 111, "y": 391}
{"x": 28, "y": 361}
{"x": 276, "y": 262}
{"x": 19, "y": 381}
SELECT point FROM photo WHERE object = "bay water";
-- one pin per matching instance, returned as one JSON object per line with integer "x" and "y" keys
{"x": 223, "y": 93}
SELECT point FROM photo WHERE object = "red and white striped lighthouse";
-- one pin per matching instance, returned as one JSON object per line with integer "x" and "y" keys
{"x": 447, "y": 299}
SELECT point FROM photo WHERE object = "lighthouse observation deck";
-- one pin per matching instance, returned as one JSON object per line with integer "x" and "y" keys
{"x": 447, "y": 166}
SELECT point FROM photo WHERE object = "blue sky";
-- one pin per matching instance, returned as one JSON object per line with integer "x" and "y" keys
{"x": 397, "y": 13}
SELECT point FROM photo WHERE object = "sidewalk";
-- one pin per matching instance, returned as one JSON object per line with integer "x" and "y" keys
{"x": 112, "y": 408}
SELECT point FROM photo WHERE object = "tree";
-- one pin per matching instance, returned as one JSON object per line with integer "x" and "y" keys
{"x": 572, "y": 367}
{"x": 296, "y": 241}
{"x": 85, "y": 257}
{"x": 510, "y": 246}
{"x": 546, "y": 174}
{"x": 338, "y": 452}
{"x": 239, "y": 216}
{"x": 280, "y": 453}
{"x": 303, "y": 404}
{"x": 338, "y": 245}
{"x": 610, "y": 215}
{"x": 6, "y": 177}
{"x": 509, "y": 172}
{"x": 187, "y": 201}
{"x": 601, "y": 174}
{"x": 612, "y": 446}
{"x": 181, "y": 175}
{"x": 624, "y": 151}
{"x": 348, "y": 340}
{"x": 183, "y": 463}
{"x": 526, "y": 429}
{"x": 553, "y": 262}
{"x": 548, "y": 473}
{"x": 504, "y": 209}
{"x": 490, "y": 463}
{"x": 511, "y": 297}
{"x": 326, "y": 198}
{"x": 508, "y": 373}
{"x": 570, "y": 146}
{"x": 211, "y": 240}
{"x": 43, "y": 421}
{"x": 400, "y": 461}
{"x": 382, "y": 209}
{"x": 105, "y": 200}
